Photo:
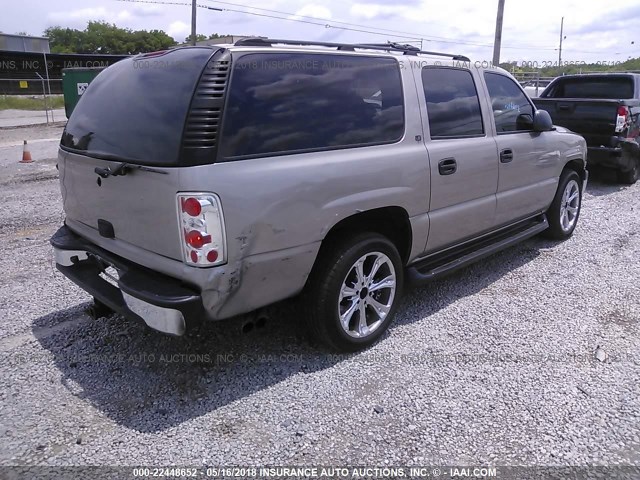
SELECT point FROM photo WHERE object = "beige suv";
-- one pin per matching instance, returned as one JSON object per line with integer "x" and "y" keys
{"x": 203, "y": 183}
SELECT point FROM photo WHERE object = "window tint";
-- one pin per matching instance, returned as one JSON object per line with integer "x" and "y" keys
{"x": 287, "y": 102}
{"x": 602, "y": 87}
{"x": 453, "y": 106}
{"x": 511, "y": 108}
{"x": 135, "y": 110}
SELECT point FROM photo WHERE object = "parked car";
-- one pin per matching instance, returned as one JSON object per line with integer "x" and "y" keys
{"x": 605, "y": 110}
{"x": 535, "y": 87}
{"x": 224, "y": 179}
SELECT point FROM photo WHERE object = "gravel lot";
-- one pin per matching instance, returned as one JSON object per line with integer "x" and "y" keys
{"x": 494, "y": 365}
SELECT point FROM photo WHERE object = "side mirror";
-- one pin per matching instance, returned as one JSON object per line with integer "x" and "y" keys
{"x": 542, "y": 121}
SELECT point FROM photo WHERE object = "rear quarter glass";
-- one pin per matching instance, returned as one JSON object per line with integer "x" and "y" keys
{"x": 135, "y": 110}
{"x": 294, "y": 102}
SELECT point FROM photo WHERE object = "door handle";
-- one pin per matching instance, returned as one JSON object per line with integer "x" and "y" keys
{"x": 448, "y": 166}
{"x": 506, "y": 155}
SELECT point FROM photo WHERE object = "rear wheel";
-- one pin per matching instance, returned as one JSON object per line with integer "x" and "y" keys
{"x": 564, "y": 211}
{"x": 630, "y": 177}
{"x": 354, "y": 291}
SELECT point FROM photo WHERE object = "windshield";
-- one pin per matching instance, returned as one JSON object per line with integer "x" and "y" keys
{"x": 135, "y": 110}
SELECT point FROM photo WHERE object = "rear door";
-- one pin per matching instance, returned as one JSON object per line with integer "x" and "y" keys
{"x": 463, "y": 159}
{"x": 528, "y": 160}
{"x": 133, "y": 113}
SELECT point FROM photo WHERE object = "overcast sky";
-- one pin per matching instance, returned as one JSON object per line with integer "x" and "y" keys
{"x": 594, "y": 31}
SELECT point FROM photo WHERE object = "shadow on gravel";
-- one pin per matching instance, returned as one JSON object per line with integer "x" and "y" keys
{"x": 150, "y": 382}
{"x": 603, "y": 181}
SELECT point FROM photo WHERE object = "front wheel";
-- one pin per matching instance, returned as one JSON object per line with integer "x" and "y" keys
{"x": 564, "y": 211}
{"x": 354, "y": 291}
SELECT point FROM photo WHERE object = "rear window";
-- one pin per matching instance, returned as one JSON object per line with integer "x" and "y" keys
{"x": 599, "y": 87}
{"x": 294, "y": 102}
{"x": 135, "y": 110}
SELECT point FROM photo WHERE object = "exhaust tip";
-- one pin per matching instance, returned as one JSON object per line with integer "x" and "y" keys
{"x": 255, "y": 320}
{"x": 247, "y": 327}
{"x": 261, "y": 321}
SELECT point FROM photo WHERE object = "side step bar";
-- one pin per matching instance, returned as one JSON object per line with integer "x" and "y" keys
{"x": 438, "y": 265}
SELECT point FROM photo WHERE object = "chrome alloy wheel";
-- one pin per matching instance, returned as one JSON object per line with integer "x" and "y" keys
{"x": 367, "y": 294}
{"x": 570, "y": 206}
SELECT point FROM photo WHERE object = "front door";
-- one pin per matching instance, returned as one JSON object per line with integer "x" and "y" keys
{"x": 528, "y": 161}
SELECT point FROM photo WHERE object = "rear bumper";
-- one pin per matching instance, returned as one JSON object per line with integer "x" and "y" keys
{"x": 620, "y": 157}
{"x": 162, "y": 302}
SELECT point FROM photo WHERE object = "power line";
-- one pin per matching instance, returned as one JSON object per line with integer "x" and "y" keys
{"x": 419, "y": 36}
{"x": 332, "y": 24}
{"x": 273, "y": 16}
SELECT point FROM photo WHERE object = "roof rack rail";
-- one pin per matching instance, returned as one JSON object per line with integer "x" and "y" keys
{"x": 392, "y": 47}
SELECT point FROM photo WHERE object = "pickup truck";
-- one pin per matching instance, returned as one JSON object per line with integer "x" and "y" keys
{"x": 605, "y": 110}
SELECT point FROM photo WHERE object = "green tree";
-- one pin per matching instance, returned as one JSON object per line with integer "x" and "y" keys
{"x": 102, "y": 37}
{"x": 199, "y": 38}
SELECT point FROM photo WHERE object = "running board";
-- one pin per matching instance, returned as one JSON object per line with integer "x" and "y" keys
{"x": 439, "y": 265}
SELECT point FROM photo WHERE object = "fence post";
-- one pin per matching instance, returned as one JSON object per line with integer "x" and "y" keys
{"x": 44, "y": 94}
{"x": 46, "y": 69}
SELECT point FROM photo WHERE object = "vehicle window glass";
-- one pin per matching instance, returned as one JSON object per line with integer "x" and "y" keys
{"x": 135, "y": 110}
{"x": 608, "y": 88}
{"x": 452, "y": 100}
{"x": 288, "y": 102}
{"x": 511, "y": 109}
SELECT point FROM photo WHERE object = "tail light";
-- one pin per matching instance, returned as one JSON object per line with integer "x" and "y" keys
{"x": 201, "y": 229}
{"x": 623, "y": 119}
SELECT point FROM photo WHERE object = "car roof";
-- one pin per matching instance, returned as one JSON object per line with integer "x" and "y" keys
{"x": 410, "y": 54}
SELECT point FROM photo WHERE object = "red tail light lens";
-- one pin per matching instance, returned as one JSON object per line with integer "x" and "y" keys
{"x": 191, "y": 206}
{"x": 623, "y": 118}
{"x": 196, "y": 239}
{"x": 201, "y": 229}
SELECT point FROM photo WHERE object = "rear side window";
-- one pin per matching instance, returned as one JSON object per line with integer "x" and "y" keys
{"x": 135, "y": 110}
{"x": 293, "y": 102}
{"x": 512, "y": 110}
{"x": 452, "y": 100}
{"x": 608, "y": 88}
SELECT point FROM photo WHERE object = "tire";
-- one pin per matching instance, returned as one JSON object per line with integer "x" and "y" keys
{"x": 630, "y": 176}
{"x": 339, "y": 290}
{"x": 564, "y": 211}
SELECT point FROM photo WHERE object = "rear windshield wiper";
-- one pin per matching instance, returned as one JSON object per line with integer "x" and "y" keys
{"x": 123, "y": 169}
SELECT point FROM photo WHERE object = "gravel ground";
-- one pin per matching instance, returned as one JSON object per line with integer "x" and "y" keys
{"x": 494, "y": 365}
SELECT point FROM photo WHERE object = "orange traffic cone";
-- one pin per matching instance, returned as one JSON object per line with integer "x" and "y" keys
{"x": 26, "y": 154}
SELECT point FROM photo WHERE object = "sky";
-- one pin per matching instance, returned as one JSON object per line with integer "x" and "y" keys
{"x": 594, "y": 31}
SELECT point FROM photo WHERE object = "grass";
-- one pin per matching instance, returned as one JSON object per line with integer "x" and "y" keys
{"x": 22, "y": 102}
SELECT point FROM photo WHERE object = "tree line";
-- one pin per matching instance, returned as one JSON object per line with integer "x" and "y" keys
{"x": 106, "y": 38}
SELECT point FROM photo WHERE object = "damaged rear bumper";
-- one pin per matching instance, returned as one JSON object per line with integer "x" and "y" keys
{"x": 162, "y": 302}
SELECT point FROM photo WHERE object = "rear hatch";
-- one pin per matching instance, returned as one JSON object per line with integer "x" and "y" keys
{"x": 135, "y": 128}
{"x": 587, "y": 105}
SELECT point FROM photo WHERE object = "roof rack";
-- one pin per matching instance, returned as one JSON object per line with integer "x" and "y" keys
{"x": 391, "y": 47}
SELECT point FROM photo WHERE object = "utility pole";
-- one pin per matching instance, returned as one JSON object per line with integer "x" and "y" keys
{"x": 497, "y": 43}
{"x": 194, "y": 8}
{"x": 560, "y": 49}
